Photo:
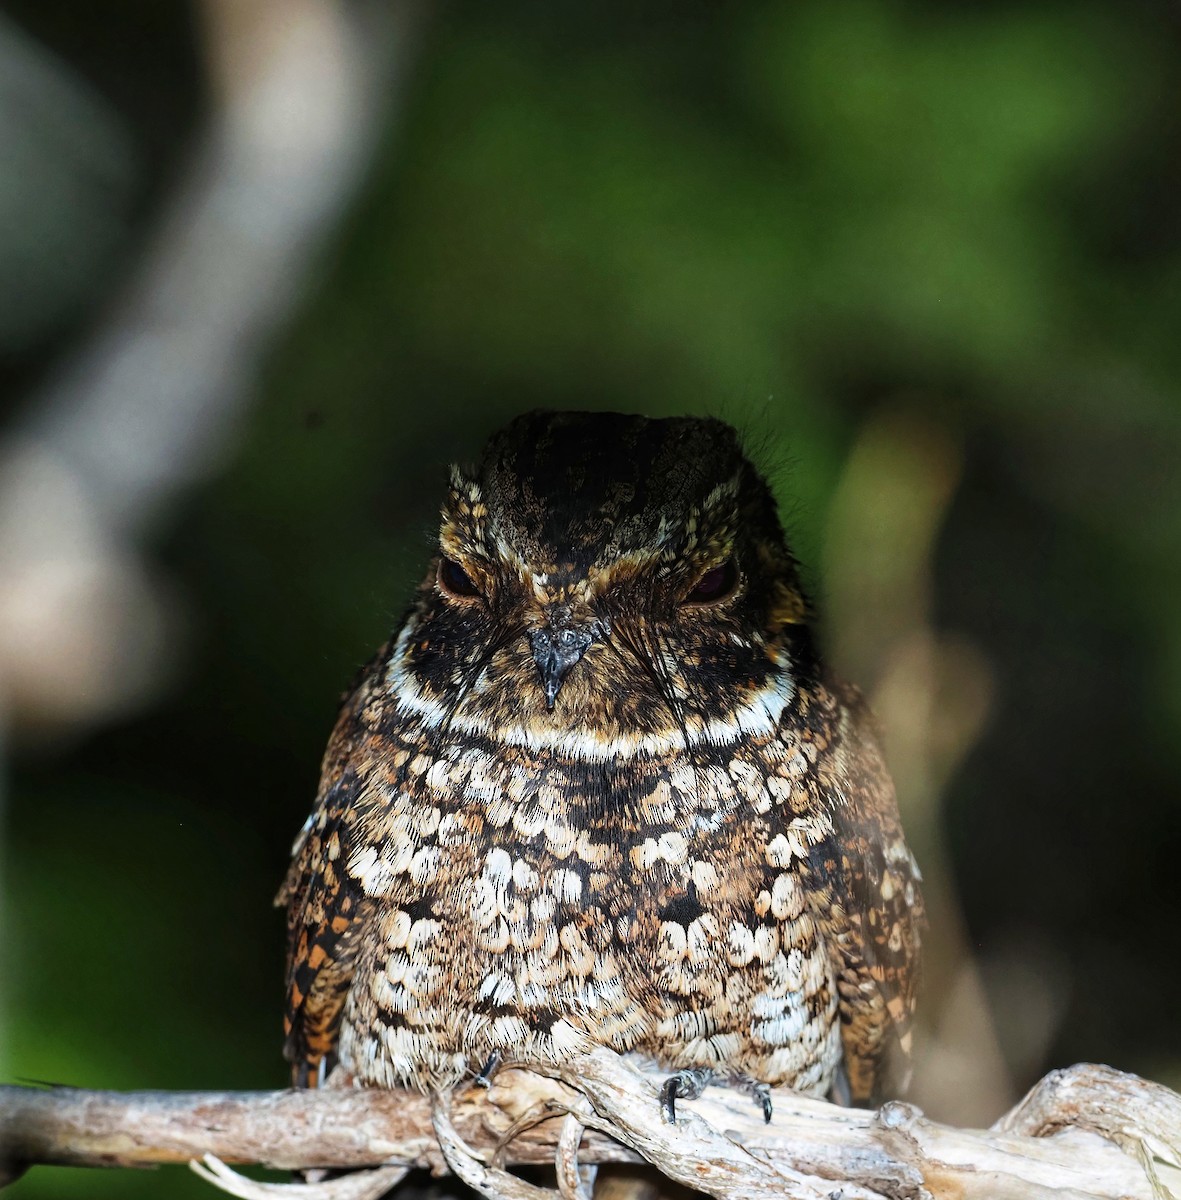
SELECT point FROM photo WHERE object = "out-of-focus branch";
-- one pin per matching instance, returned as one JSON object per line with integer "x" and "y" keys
{"x": 150, "y": 403}
{"x": 1109, "y": 1135}
{"x": 932, "y": 691}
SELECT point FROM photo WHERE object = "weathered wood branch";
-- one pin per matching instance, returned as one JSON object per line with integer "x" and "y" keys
{"x": 1084, "y": 1132}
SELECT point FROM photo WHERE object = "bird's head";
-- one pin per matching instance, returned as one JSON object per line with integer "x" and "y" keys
{"x": 606, "y": 584}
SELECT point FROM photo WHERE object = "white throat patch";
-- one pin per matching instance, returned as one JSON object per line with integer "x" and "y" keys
{"x": 759, "y": 717}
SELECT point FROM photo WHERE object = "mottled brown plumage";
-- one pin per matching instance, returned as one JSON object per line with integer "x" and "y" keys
{"x": 599, "y": 789}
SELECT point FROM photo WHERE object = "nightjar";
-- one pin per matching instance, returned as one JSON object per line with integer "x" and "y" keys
{"x": 599, "y": 789}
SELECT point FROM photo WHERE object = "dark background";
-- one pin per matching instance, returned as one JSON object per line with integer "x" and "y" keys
{"x": 926, "y": 255}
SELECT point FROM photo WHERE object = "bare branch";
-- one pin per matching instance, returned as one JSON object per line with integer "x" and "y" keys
{"x": 1085, "y": 1132}
{"x": 333, "y": 1127}
{"x": 359, "y": 1185}
{"x": 153, "y": 400}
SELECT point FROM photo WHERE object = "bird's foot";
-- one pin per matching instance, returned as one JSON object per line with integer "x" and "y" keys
{"x": 684, "y": 1085}
{"x": 689, "y": 1084}
{"x": 760, "y": 1093}
{"x": 484, "y": 1075}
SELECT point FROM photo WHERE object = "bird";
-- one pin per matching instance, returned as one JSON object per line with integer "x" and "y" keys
{"x": 600, "y": 789}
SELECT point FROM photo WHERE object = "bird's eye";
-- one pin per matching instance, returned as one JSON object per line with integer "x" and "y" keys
{"x": 455, "y": 581}
{"x": 716, "y": 584}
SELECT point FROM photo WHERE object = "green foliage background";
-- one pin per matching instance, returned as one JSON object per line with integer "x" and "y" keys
{"x": 789, "y": 215}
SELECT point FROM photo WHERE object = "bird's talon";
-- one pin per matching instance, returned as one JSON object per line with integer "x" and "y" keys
{"x": 687, "y": 1085}
{"x": 484, "y": 1076}
{"x": 760, "y": 1093}
{"x": 668, "y": 1101}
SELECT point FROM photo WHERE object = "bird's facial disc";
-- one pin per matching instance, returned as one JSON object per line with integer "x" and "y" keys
{"x": 604, "y": 578}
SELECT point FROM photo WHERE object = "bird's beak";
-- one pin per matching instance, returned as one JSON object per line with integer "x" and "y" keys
{"x": 555, "y": 650}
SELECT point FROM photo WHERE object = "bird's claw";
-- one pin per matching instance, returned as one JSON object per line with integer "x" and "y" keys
{"x": 484, "y": 1076}
{"x": 689, "y": 1084}
{"x": 685, "y": 1085}
{"x": 761, "y": 1094}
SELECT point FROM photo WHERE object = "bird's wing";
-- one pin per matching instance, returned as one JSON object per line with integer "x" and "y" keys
{"x": 326, "y": 908}
{"x": 868, "y": 905}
